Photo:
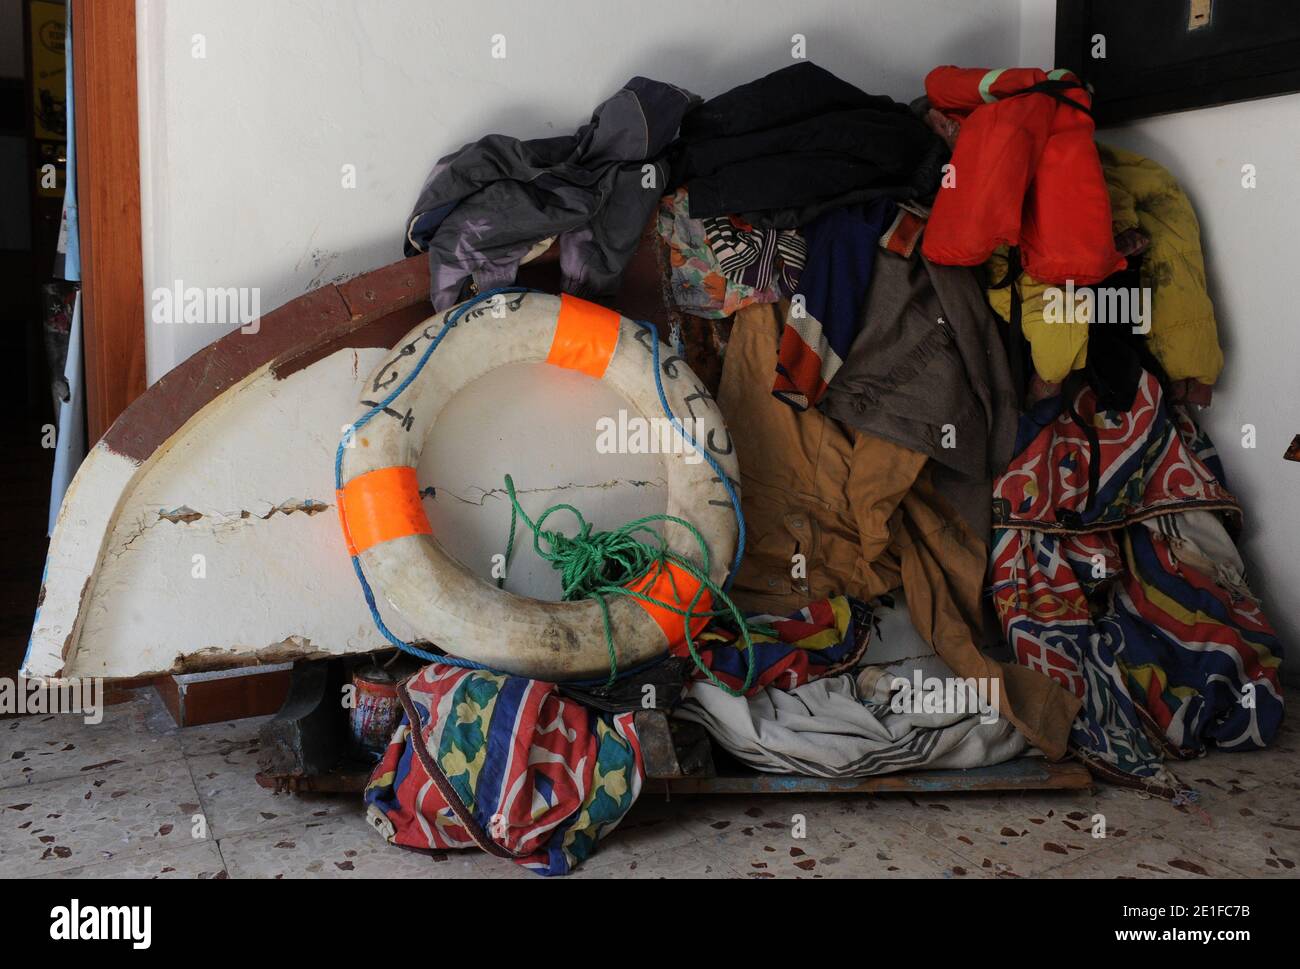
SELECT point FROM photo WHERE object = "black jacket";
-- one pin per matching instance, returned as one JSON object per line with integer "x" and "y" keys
{"x": 783, "y": 148}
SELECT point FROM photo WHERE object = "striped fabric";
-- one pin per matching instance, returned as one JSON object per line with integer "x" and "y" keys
{"x": 1134, "y": 600}
{"x": 806, "y": 363}
{"x": 761, "y": 258}
{"x": 824, "y": 638}
{"x": 505, "y": 764}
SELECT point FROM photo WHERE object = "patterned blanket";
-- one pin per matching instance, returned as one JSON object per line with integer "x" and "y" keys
{"x": 822, "y": 639}
{"x": 1123, "y": 586}
{"x": 506, "y": 764}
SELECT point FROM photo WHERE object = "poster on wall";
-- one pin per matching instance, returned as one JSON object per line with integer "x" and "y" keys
{"x": 49, "y": 35}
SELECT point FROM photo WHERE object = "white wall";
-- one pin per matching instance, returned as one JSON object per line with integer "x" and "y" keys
{"x": 1037, "y": 33}
{"x": 242, "y": 150}
{"x": 242, "y": 153}
{"x": 1249, "y": 240}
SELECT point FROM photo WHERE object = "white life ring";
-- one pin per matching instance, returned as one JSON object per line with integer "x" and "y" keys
{"x": 385, "y": 525}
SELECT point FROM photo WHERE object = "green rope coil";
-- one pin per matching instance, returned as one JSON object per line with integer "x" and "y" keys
{"x": 598, "y": 565}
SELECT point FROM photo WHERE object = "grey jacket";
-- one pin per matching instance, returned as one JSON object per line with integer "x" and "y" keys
{"x": 928, "y": 370}
{"x": 485, "y": 206}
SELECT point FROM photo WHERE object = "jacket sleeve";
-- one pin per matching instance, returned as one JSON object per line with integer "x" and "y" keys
{"x": 1184, "y": 333}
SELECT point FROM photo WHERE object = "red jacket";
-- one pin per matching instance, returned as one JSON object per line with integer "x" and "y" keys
{"x": 1027, "y": 174}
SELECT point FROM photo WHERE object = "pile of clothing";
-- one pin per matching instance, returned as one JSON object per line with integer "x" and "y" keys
{"x": 942, "y": 481}
{"x": 856, "y": 726}
{"x": 800, "y": 162}
{"x": 1040, "y": 205}
{"x": 537, "y": 773}
{"x": 866, "y": 515}
{"x": 1114, "y": 574}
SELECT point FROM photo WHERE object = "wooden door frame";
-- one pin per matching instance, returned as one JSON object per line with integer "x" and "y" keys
{"x": 106, "y": 108}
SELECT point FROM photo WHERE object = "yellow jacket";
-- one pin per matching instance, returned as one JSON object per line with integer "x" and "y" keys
{"x": 1056, "y": 347}
{"x": 1184, "y": 336}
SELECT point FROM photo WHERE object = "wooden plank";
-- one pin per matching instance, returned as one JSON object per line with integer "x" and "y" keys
{"x": 108, "y": 181}
{"x": 196, "y": 699}
{"x": 388, "y": 289}
{"x": 1027, "y": 773}
{"x": 199, "y": 380}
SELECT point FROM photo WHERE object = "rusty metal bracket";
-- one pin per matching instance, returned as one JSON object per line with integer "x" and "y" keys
{"x": 673, "y": 749}
{"x": 306, "y": 737}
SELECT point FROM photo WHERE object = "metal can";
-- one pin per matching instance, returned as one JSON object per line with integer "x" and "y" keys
{"x": 376, "y": 711}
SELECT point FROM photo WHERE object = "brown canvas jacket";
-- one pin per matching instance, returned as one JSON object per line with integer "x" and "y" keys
{"x": 866, "y": 516}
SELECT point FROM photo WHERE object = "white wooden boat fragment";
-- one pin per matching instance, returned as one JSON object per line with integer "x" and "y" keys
{"x": 201, "y": 532}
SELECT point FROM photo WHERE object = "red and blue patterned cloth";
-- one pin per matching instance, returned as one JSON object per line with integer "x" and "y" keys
{"x": 506, "y": 764}
{"x": 512, "y": 766}
{"x": 1130, "y": 593}
{"x": 822, "y": 639}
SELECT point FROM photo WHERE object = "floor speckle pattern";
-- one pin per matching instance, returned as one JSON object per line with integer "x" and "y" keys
{"x": 134, "y": 797}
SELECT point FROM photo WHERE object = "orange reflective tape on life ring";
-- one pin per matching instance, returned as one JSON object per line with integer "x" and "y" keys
{"x": 380, "y": 506}
{"x": 585, "y": 337}
{"x": 660, "y": 584}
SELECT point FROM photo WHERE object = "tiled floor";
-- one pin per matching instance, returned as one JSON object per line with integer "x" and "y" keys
{"x": 135, "y": 797}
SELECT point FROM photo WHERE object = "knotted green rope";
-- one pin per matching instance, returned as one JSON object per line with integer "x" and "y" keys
{"x": 598, "y": 565}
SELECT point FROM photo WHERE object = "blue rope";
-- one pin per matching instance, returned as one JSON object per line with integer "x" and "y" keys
{"x": 713, "y": 462}
{"x": 451, "y": 320}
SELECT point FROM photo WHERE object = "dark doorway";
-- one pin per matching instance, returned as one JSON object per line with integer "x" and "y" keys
{"x": 35, "y": 307}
